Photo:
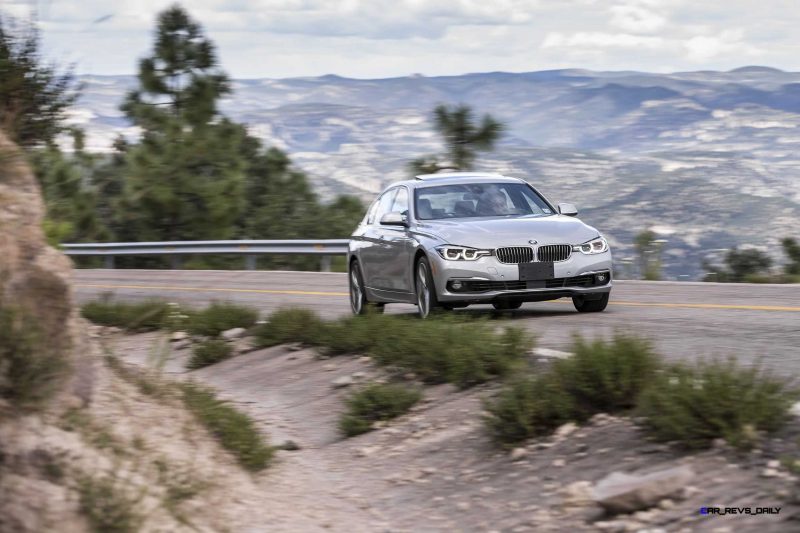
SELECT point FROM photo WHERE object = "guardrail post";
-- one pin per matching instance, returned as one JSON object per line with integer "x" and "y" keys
{"x": 250, "y": 262}
{"x": 175, "y": 262}
{"x": 325, "y": 264}
{"x": 109, "y": 261}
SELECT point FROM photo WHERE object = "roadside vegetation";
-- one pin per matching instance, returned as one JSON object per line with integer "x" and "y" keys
{"x": 690, "y": 405}
{"x": 157, "y": 314}
{"x": 109, "y": 504}
{"x": 234, "y": 430}
{"x": 209, "y": 352}
{"x": 219, "y": 317}
{"x": 444, "y": 349}
{"x": 695, "y": 404}
{"x": 134, "y": 317}
{"x": 376, "y": 402}
{"x": 751, "y": 265}
{"x": 31, "y": 367}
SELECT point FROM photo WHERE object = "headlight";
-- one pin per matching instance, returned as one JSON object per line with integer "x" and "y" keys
{"x": 597, "y": 245}
{"x": 461, "y": 253}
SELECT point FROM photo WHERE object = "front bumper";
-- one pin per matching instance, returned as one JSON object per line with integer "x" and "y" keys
{"x": 487, "y": 279}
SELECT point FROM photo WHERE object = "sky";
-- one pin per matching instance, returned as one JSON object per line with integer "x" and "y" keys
{"x": 386, "y": 38}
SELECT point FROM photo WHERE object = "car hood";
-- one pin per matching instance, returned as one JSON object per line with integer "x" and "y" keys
{"x": 491, "y": 233}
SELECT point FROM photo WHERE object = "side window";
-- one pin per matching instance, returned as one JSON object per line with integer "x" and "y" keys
{"x": 401, "y": 201}
{"x": 384, "y": 203}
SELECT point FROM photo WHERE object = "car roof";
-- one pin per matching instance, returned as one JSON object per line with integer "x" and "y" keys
{"x": 451, "y": 178}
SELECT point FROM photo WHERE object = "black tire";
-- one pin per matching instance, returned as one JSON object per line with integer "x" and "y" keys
{"x": 358, "y": 295}
{"x": 427, "y": 302}
{"x": 590, "y": 306}
{"x": 506, "y": 306}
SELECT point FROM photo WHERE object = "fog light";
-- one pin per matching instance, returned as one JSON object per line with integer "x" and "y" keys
{"x": 456, "y": 285}
{"x": 601, "y": 278}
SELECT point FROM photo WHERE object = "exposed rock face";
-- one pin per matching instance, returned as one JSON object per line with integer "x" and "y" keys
{"x": 34, "y": 277}
{"x": 34, "y": 283}
{"x": 625, "y": 493}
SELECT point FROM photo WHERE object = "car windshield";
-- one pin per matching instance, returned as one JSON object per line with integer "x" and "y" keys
{"x": 478, "y": 200}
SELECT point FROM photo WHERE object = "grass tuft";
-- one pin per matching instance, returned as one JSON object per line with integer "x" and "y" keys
{"x": 376, "y": 402}
{"x": 219, "y": 317}
{"x": 141, "y": 316}
{"x": 235, "y": 430}
{"x": 290, "y": 325}
{"x": 109, "y": 506}
{"x": 695, "y": 404}
{"x": 209, "y": 352}
{"x": 31, "y": 368}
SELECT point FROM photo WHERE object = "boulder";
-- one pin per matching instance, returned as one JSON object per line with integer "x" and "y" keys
{"x": 178, "y": 336}
{"x": 342, "y": 381}
{"x": 234, "y": 333}
{"x": 625, "y": 493}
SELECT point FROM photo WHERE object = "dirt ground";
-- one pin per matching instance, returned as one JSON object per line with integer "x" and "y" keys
{"x": 434, "y": 469}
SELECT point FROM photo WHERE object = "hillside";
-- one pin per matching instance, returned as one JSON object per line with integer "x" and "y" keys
{"x": 709, "y": 158}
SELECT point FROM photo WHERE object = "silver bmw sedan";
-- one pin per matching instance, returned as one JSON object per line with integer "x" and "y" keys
{"x": 449, "y": 240}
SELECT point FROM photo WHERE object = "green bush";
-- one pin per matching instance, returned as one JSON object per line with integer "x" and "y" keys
{"x": 235, "y": 430}
{"x": 606, "y": 376}
{"x": 109, "y": 506}
{"x": 31, "y": 368}
{"x": 209, "y": 352}
{"x": 289, "y": 325}
{"x": 695, "y": 404}
{"x": 601, "y": 376}
{"x": 219, "y": 317}
{"x": 374, "y": 403}
{"x": 528, "y": 407}
{"x": 140, "y": 316}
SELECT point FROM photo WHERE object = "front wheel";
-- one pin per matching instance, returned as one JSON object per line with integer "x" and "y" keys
{"x": 426, "y": 291}
{"x": 358, "y": 296}
{"x": 590, "y": 306}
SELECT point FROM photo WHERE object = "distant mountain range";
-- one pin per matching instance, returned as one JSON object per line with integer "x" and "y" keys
{"x": 709, "y": 159}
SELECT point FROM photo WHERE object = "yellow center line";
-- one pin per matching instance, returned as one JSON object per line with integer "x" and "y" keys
{"x": 741, "y": 307}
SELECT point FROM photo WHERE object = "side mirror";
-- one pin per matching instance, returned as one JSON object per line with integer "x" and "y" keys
{"x": 395, "y": 218}
{"x": 568, "y": 209}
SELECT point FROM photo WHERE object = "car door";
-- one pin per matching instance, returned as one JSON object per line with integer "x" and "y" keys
{"x": 398, "y": 246}
{"x": 373, "y": 254}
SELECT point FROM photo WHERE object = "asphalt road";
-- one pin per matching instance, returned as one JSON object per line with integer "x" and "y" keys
{"x": 684, "y": 320}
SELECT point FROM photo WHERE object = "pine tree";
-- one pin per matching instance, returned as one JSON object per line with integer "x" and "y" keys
{"x": 33, "y": 94}
{"x": 463, "y": 139}
{"x": 185, "y": 179}
{"x": 181, "y": 81}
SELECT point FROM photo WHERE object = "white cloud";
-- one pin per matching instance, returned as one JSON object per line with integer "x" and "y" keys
{"x": 374, "y": 38}
{"x": 601, "y": 40}
{"x": 636, "y": 19}
{"x": 702, "y": 48}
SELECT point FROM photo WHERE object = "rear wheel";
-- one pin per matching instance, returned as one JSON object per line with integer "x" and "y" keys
{"x": 590, "y": 306}
{"x": 506, "y": 306}
{"x": 358, "y": 296}
{"x": 426, "y": 291}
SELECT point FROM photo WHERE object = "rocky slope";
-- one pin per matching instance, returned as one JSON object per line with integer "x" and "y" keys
{"x": 94, "y": 451}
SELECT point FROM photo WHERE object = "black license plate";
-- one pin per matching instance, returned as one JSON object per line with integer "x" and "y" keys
{"x": 536, "y": 271}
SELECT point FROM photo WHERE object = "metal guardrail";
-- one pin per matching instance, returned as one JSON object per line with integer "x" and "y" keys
{"x": 250, "y": 249}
